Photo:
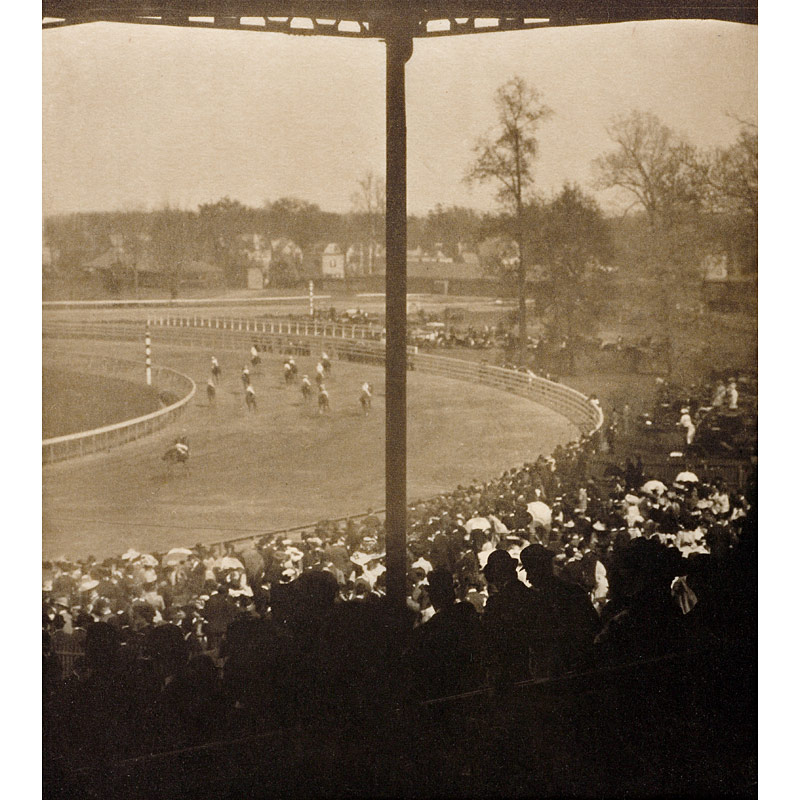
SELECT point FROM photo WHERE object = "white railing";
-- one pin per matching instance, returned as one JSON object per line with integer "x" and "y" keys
{"x": 73, "y": 445}
{"x": 348, "y": 342}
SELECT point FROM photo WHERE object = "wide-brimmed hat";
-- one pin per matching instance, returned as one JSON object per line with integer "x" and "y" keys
{"x": 535, "y": 554}
{"x": 500, "y": 561}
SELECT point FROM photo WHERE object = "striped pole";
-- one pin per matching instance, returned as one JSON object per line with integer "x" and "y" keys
{"x": 147, "y": 363}
{"x": 311, "y": 298}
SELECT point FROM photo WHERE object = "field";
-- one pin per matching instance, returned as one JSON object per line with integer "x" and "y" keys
{"x": 72, "y": 402}
{"x": 284, "y": 465}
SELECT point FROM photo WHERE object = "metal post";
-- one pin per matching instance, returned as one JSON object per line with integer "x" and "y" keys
{"x": 147, "y": 363}
{"x": 311, "y": 299}
{"x": 399, "y": 46}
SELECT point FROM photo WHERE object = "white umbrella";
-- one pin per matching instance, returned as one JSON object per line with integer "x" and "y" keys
{"x": 499, "y": 527}
{"x": 148, "y": 560}
{"x": 686, "y": 477}
{"x": 362, "y": 559}
{"x": 541, "y": 513}
{"x": 131, "y": 555}
{"x": 654, "y": 487}
{"x": 176, "y": 556}
{"x": 229, "y": 562}
{"x": 481, "y": 523}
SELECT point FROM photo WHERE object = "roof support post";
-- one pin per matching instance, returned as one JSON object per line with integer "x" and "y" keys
{"x": 399, "y": 45}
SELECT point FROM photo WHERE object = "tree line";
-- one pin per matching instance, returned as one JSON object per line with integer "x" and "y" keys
{"x": 692, "y": 200}
{"x": 682, "y": 202}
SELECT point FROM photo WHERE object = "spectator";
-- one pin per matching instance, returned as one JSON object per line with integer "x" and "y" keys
{"x": 444, "y": 654}
{"x": 509, "y": 622}
{"x": 566, "y": 620}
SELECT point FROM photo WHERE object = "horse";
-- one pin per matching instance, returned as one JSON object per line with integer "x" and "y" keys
{"x": 366, "y": 398}
{"x": 288, "y": 374}
{"x": 177, "y": 453}
{"x": 250, "y": 398}
{"x": 216, "y": 371}
{"x": 323, "y": 400}
{"x": 255, "y": 358}
{"x": 305, "y": 388}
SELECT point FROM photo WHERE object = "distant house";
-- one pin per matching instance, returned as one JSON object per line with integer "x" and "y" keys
{"x": 119, "y": 267}
{"x": 200, "y": 273}
{"x": 256, "y": 250}
{"x": 255, "y": 278}
{"x": 332, "y": 261}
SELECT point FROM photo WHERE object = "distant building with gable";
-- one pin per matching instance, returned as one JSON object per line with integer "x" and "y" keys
{"x": 332, "y": 262}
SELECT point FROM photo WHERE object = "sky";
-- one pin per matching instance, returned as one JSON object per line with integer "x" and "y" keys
{"x": 141, "y": 117}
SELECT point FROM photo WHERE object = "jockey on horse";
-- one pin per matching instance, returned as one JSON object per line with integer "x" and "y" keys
{"x": 178, "y": 452}
{"x": 323, "y": 401}
{"x": 366, "y": 397}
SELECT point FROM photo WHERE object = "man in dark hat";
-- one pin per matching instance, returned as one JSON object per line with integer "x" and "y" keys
{"x": 444, "y": 654}
{"x": 509, "y": 622}
{"x": 567, "y": 622}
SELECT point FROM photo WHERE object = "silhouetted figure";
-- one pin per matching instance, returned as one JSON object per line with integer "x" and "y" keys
{"x": 444, "y": 655}
{"x": 643, "y": 621}
{"x": 567, "y": 622}
{"x": 509, "y": 622}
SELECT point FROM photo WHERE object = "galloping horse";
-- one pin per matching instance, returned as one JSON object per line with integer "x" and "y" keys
{"x": 216, "y": 370}
{"x": 366, "y": 398}
{"x": 177, "y": 453}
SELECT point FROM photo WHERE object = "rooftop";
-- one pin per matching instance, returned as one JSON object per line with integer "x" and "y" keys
{"x": 376, "y": 18}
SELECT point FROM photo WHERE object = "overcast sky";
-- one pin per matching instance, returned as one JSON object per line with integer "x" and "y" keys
{"x": 139, "y": 116}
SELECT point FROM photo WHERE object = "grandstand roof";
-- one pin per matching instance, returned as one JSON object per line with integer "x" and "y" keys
{"x": 373, "y": 18}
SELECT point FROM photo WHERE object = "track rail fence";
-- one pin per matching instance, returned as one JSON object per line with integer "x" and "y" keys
{"x": 344, "y": 342}
{"x": 347, "y": 342}
{"x": 167, "y": 380}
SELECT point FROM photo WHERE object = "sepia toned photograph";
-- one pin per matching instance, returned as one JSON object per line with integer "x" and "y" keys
{"x": 399, "y": 398}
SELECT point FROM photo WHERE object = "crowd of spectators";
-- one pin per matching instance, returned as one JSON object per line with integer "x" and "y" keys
{"x": 534, "y": 575}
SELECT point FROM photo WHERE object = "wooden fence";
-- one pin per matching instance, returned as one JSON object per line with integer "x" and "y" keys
{"x": 356, "y": 343}
{"x": 167, "y": 380}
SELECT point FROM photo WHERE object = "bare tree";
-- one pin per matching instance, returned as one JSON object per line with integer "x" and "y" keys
{"x": 505, "y": 158}
{"x": 369, "y": 201}
{"x": 659, "y": 169}
{"x": 733, "y": 174}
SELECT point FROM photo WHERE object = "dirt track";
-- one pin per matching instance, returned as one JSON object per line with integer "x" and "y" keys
{"x": 284, "y": 465}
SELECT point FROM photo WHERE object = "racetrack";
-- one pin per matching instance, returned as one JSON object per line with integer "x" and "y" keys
{"x": 284, "y": 465}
